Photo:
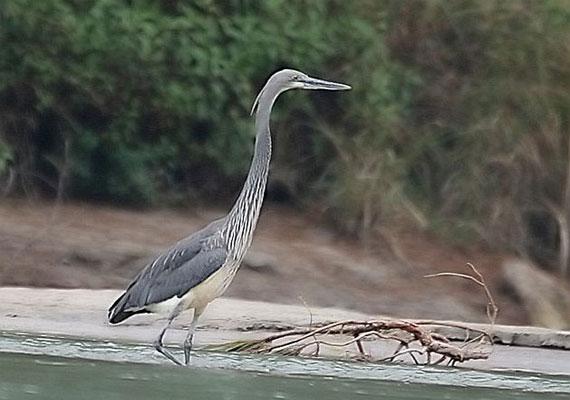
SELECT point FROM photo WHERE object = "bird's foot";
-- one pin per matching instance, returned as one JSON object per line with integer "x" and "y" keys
{"x": 160, "y": 348}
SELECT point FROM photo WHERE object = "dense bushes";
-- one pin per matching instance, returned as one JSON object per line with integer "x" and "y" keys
{"x": 458, "y": 118}
{"x": 153, "y": 97}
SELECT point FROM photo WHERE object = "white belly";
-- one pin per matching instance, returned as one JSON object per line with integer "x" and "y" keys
{"x": 202, "y": 294}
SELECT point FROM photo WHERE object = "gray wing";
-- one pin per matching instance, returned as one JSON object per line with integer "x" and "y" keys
{"x": 176, "y": 281}
{"x": 174, "y": 272}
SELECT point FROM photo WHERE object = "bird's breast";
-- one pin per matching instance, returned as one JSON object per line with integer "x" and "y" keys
{"x": 213, "y": 287}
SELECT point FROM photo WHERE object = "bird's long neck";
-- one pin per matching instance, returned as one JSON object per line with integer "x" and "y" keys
{"x": 242, "y": 219}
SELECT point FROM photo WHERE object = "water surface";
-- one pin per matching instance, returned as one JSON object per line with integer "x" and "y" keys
{"x": 55, "y": 368}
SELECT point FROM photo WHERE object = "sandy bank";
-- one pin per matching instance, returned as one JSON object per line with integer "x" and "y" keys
{"x": 81, "y": 313}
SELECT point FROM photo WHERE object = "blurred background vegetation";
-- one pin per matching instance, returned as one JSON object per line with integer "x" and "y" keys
{"x": 458, "y": 120}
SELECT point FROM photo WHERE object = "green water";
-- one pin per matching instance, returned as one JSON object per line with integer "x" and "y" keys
{"x": 53, "y": 368}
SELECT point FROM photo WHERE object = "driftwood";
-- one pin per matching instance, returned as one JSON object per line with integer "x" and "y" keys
{"x": 414, "y": 339}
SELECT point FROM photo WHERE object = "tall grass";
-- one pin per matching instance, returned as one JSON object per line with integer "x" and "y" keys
{"x": 495, "y": 113}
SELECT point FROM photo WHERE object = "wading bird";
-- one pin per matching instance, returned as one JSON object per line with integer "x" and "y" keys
{"x": 199, "y": 268}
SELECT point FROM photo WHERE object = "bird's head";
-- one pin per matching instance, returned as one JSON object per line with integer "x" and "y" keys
{"x": 287, "y": 79}
{"x": 291, "y": 79}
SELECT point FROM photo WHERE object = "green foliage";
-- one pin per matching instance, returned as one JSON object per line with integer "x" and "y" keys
{"x": 458, "y": 117}
{"x": 153, "y": 96}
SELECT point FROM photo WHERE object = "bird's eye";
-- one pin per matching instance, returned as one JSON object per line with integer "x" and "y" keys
{"x": 295, "y": 78}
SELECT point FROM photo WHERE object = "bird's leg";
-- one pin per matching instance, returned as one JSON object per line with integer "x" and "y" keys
{"x": 160, "y": 347}
{"x": 190, "y": 335}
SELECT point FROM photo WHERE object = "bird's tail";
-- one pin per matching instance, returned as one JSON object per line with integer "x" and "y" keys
{"x": 117, "y": 312}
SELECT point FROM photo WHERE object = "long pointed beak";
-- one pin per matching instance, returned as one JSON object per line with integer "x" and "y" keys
{"x": 316, "y": 84}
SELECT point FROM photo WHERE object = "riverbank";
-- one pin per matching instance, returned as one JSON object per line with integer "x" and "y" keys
{"x": 81, "y": 314}
{"x": 292, "y": 257}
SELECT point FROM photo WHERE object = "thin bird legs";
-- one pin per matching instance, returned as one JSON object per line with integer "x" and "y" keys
{"x": 190, "y": 335}
{"x": 187, "y": 342}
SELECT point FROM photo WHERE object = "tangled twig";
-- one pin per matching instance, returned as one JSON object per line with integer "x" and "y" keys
{"x": 405, "y": 333}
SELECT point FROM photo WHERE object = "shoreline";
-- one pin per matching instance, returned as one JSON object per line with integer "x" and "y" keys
{"x": 81, "y": 313}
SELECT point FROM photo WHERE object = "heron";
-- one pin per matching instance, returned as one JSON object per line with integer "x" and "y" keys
{"x": 199, "y": 268}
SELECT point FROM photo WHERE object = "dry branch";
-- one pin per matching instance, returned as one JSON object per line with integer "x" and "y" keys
{"x": 405, "y": 333}
{"x": 492, "y": 309}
